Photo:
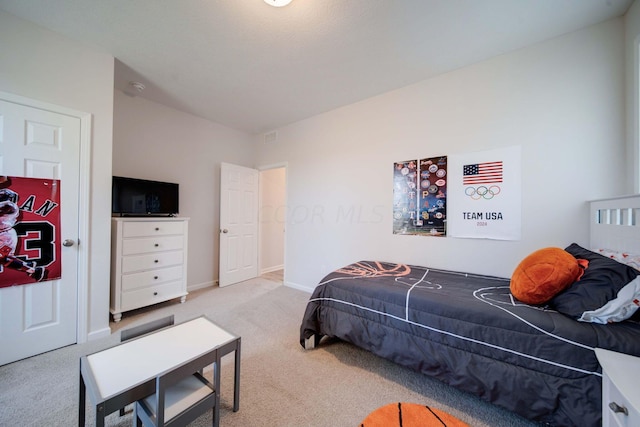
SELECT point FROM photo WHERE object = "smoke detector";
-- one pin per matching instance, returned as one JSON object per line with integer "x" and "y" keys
{"x": 135, "y": 88}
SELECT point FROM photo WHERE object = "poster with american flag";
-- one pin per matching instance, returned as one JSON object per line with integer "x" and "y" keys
{"x": 485, "y": 194}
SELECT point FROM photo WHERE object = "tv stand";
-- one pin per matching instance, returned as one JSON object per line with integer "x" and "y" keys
{"x": 148, "y": 262}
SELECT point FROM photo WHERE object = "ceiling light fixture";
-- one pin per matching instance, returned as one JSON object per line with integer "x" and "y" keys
{"x": 277, "y": 3}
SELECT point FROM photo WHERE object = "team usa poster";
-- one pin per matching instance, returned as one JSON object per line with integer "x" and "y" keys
{"x": 420, "y": 197}
{"x": 485, "y": 191}
{"x": 29, "y": 230}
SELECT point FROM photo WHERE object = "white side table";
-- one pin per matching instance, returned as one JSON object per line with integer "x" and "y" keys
{"x": 127, "y": 372}
{"x": 620, "y": 388}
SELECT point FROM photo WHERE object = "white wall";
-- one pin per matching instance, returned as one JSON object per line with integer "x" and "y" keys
{"x": 42, "y": 65}
{"x": 272, "y": 219}
{"x": 632, "y": 56}
{"x": 155, "y": 142}
{"x": 562, "y": 101}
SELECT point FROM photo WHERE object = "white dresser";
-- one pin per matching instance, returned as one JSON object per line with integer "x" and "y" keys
{"x": 148, "y": 262}
{"x": 620, "y": 389}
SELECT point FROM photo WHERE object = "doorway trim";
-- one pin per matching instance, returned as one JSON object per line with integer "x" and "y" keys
{"x": 263, "y": 168}
{"x": 84, "y": 173}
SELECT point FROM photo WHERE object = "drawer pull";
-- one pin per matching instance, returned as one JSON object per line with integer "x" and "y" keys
{"x": 618, "y": 409}
{"x": 157, "y": 228}
{"x": 155, "y": 293}
{"x": 156, "y": 245}
{"x": 155, "y": 277}
{"x": 156, "y": 261}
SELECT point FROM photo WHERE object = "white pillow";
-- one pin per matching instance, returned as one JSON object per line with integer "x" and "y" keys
{"x": 618, "y": 309}
{"x": 626, "y": 258}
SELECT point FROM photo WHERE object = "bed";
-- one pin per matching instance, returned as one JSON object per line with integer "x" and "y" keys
{"x": 470, "y": 332}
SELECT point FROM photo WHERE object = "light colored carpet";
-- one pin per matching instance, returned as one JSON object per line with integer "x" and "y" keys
{"x": 281, "y": 384}
{"x": 277, "y": 275}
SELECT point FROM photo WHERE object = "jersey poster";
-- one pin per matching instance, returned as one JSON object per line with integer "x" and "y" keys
{"x": 29, "y": 230}
{"x": 485, "y": 194}
{"x": 420, "y": 196}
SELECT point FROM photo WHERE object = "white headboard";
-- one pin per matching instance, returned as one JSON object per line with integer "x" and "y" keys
{"x": 615, "y": 224}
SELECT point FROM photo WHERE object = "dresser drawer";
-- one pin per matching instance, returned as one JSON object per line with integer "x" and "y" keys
{"x": 152, "y": 228}
{"x": 151, "y": 278}
{"x": 153, "y": 295}
{"x": 151, "y": 244}
{"x": 133, "y": 263}
{"x": 619, "y": 419}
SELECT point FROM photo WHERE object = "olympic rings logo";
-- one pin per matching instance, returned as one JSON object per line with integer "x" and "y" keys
{"x": 482, "y": 192}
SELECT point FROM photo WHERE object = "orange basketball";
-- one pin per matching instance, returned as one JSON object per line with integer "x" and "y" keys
{"x": 410, "y": 415}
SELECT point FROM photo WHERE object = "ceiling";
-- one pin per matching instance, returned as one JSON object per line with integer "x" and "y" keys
{"x": 253, "y": 67}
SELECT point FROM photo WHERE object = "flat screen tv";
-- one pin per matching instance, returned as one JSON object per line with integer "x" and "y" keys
{"x": 141, "y": 197}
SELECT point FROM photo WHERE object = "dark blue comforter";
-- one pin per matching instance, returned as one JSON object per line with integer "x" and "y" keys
{"x": 470, "y": 332}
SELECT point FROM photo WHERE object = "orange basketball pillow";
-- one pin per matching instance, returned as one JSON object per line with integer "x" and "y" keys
{"x": 545, "y": 273}
{"x": 410, "y": 415}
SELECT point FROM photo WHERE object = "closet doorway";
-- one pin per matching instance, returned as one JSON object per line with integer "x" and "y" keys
{"x": 273, "y": 219}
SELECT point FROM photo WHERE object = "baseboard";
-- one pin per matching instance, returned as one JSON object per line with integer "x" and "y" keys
{"x": 271, "y": 269}
{"x": 100, "y": 333}
{"x": 299, "y": 287}
{"x": 199, "y": 286}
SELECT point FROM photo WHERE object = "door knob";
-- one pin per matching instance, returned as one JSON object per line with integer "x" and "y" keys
{"x": 68, "y": 242}
{"x": 225, "y": 231}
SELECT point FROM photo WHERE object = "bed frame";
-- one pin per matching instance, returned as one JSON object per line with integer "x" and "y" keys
{"x": 615, "y": 224}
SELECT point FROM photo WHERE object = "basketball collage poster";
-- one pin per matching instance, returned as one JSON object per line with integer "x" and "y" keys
{"x": 420, "y": 196}
{"x": 29, "y": 230}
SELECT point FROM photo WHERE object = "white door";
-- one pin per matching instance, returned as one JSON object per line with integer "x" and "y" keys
{"x": 239, "y": 190}
{"x": 42, "y": 316}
